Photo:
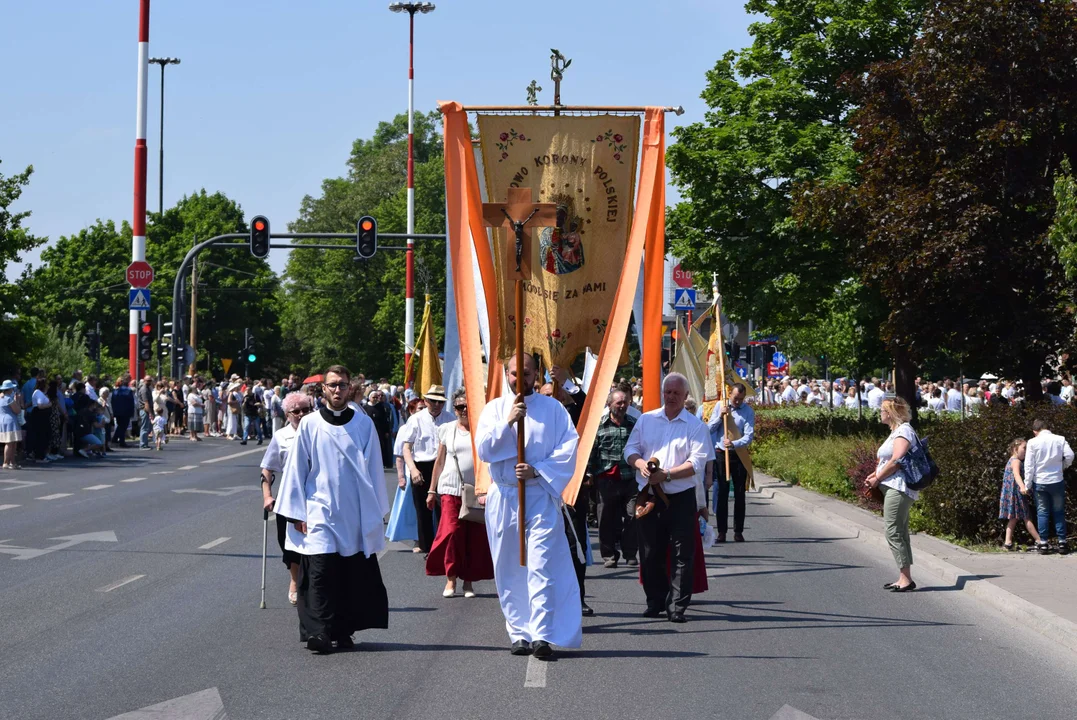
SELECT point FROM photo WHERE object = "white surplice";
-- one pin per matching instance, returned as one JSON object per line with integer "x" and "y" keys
{"x": 540, "y": 601}
{"x": 334, "y": 482}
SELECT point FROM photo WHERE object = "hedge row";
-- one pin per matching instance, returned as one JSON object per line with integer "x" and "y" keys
{"x": 971, "y": 455}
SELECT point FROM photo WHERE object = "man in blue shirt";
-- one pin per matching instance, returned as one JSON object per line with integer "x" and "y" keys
{"x": 123, "y": 407}
{"x": 742, "y": 417}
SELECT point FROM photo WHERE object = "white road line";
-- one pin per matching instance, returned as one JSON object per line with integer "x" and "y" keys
{"x": 536, "y": 673}
{"x": 188, "y": 467}
{"x": 130, "y": 480}
{"x": 164, "y": 472}
{"x": 8, "y": 507}
{"x": 54, "y": 496}
{"x": 214, "y": 543}
{"x": 120, "y": 583}
{"x": 97, "y": 487}
{"x": 229, "y": 457}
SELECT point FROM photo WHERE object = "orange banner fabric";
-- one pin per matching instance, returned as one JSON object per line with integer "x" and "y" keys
{"x": 648, "y": 231}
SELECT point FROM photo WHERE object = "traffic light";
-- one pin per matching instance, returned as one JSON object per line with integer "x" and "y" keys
{"x": 93, "y": 345}
{"x": 259, "y": 236}
{"x": 366, "y": 237}
{"x": 252, "y": 354}
{"x": 145, "y": 340}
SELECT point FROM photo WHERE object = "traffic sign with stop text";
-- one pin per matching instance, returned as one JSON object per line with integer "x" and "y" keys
{"x": 139, "y": 274}
{"x": 681, "y": 278}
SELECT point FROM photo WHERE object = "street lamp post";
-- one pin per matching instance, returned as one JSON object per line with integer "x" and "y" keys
{"x": 161, "y": 162}
{"x": 409, "y": 289}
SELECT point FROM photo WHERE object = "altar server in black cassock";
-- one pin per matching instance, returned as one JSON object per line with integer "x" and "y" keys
{"x": 333, "y": 494}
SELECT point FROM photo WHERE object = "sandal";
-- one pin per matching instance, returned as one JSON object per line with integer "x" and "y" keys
{"x": 1008, "y": 547}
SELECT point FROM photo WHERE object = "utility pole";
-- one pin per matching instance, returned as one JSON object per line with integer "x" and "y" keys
{"x": 159, "y": 344}
{"x": 97, "y": 355}
{"x": 194, "y": 313}
{"x": 246, "y": 344}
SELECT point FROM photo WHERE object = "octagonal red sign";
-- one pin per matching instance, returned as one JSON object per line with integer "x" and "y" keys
{"x": 139, "y": 274}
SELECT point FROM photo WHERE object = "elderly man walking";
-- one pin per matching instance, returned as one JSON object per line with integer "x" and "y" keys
{"x": 1046, "y": 456}
{"x": 681, "y": 445}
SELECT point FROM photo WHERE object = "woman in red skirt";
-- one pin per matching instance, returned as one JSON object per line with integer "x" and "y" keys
{"x": 460, "y": 549}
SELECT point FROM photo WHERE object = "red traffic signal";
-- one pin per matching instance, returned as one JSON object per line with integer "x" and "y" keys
{"x": 147, "y": 328}
{"x": 366, "y": 237}
{"x": 259, "y": 242}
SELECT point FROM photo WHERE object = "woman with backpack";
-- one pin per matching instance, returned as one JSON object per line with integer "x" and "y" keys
{"x": 897, "y": 496}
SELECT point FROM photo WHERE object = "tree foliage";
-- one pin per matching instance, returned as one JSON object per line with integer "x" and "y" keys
{"x": 340, "y": 310}
{"x": 960, "y": 143}
{"x": 16, "y": 333}
{"x": 778, "y": 116}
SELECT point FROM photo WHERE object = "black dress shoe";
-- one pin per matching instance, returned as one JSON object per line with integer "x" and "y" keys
{"x": 678, "y": 617}
{"x": 542, "y": 650}
{"x": 652, "y": 613}
{"x": 586, "y": 609}
{"x": 632, "y": 562}
{"x": 521, "y": 647}
{"x": 720, "y": 538}
{"x": 609, "y": 563}
{"x": 737, "y": 537}
{"x": 908, "y": 588}
{"x": 320, "y": 644}
{"x": 345, "y": 643}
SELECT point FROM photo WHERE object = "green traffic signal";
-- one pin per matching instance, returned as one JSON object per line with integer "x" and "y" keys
{"x": 251, "y": 357}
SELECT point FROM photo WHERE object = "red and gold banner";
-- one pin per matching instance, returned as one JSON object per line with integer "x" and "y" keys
{"x": 586, "y": 166}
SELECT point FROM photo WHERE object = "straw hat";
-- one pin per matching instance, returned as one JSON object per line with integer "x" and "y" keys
{"x": 436, "y": 393}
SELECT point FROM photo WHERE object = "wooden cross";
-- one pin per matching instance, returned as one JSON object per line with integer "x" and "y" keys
{"x": 519, "y": 215}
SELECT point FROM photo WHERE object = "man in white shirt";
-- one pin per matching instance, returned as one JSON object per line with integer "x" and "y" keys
{"x": 1046, "y": 457}
{"x": 789, "y": 395}
{"x": 1067, "y": 390}
{"x": 682, "y": 446}
{"x": 540, "y": 601}
{"x": 332, "y": 492}
{"x": 875, "y": 397}
{"x": 420, "y": 452}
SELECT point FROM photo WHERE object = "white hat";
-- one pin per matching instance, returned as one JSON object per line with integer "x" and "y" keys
{"x": 435, "y": 393}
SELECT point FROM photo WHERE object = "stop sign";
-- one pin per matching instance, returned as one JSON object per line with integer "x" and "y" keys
{"x": 139, "y": 274}
{"x": 681, "y": 278}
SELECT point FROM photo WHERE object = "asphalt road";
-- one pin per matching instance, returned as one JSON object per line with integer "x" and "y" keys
{"x": 795, "y": 624}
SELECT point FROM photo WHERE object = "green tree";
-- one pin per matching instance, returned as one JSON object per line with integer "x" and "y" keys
{"x": 778, "y": 116}
{"x": 340, "y": 310}
{"x": 17, "y": 337}
{"x": 960, "y": 143}
{"x": 62, "y": 351}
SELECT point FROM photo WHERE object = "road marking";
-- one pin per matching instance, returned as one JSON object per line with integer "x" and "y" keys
{"x": 54, "y": 496}
{"x": 214, "y": 543}
{"x": 229, "y": 457}
{"x": 164, "y": 472}
{"x": 8, "y": 507}
{"x": 223, "y": 492}
{"x": 20, "y": 483}
{"x": 120, "y": 583}
{"x": 25, "y": 553}
{"x": 203, "y": 705}
{"x": 130, "y": 480}
{"x": 536, "y": 673}
{"x": 97, "y": 487}
{"x": 189, "y": 467}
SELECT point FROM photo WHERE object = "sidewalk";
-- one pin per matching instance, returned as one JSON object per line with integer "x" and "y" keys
{"x": 1036, "y": 591}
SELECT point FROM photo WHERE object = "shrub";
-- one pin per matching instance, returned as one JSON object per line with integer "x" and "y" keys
{"x": 816, "y": 463}
{"x": 859, "y": 463}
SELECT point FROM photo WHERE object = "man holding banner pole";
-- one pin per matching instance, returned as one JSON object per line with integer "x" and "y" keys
{"x": 732, "y": 430}
{"x": 540, "y": 600}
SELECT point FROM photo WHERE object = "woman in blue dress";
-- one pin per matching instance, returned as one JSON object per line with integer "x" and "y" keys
{"x": 10, "y": 432}
{"x": 1013, "y": 505}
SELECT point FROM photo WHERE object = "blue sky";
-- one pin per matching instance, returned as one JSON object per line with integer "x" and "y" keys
{"x": 325, "y": 72}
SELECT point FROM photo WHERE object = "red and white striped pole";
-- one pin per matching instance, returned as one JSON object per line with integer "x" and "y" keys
{"x": 409, "y": 283}
{"x": 138, "y": 219}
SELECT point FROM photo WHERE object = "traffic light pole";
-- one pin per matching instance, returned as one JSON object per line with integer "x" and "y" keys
{"x": 97, "y": 355}
{"x": 178, "y": 297}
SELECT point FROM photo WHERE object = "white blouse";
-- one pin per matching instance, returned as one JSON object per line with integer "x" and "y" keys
{"x": 457, "y": 442}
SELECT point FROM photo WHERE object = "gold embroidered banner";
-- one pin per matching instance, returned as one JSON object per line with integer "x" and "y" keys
{"x": 587, "y": 167}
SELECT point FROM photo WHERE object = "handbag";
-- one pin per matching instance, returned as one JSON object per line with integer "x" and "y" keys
{"x": 918, "y": 467}
{"x": 470, "y": 510}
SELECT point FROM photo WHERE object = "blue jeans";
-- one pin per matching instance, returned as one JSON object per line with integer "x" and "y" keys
{"x": 145, "y": 428}
{"x": 1051, "y": 500}
{"x": 251, "y": 421}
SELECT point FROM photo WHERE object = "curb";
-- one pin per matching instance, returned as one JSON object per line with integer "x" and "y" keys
{"x": 1021, "y": 611}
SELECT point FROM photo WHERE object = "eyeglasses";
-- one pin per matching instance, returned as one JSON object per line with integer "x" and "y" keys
{"x": 460, "y": 408}
{"x": 301, "y": 411}
{"x": 336, "y": 385}
{"x": 431, "y": 401}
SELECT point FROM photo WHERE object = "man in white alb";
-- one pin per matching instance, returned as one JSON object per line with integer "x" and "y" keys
{"x": 682, "y": 445}
{"x": 541, "y": 601}
{"x": 420, "y": 452}
{"x": 333, "y": 493}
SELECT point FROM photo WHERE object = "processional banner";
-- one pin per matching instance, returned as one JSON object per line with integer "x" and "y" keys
{"x": 586, "y": 166}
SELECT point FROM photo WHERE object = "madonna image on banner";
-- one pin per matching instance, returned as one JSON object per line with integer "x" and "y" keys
{"x": 586, "y": 167}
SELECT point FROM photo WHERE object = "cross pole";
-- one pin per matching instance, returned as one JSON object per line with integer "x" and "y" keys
{"x": 519, "y": 215}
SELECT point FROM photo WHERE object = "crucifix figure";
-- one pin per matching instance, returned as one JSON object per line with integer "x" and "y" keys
{"x": 519, "y": 215}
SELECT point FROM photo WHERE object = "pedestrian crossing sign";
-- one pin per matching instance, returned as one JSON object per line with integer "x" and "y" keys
{"x": 139, "y": 299}
{"x": 684, "y": 299}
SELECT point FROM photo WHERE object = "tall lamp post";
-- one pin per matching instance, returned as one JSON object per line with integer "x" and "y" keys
{"x": 409, "y": 290}
{"x": 161, "y": 163}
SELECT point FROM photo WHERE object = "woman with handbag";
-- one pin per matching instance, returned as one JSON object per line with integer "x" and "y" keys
{"x": 897, "y": 496}
{"x": 460, "y": 548}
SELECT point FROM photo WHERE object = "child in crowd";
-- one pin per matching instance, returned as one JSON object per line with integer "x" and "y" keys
{"x": 160, "y": 423}
{"x": 1012, "y": 503}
